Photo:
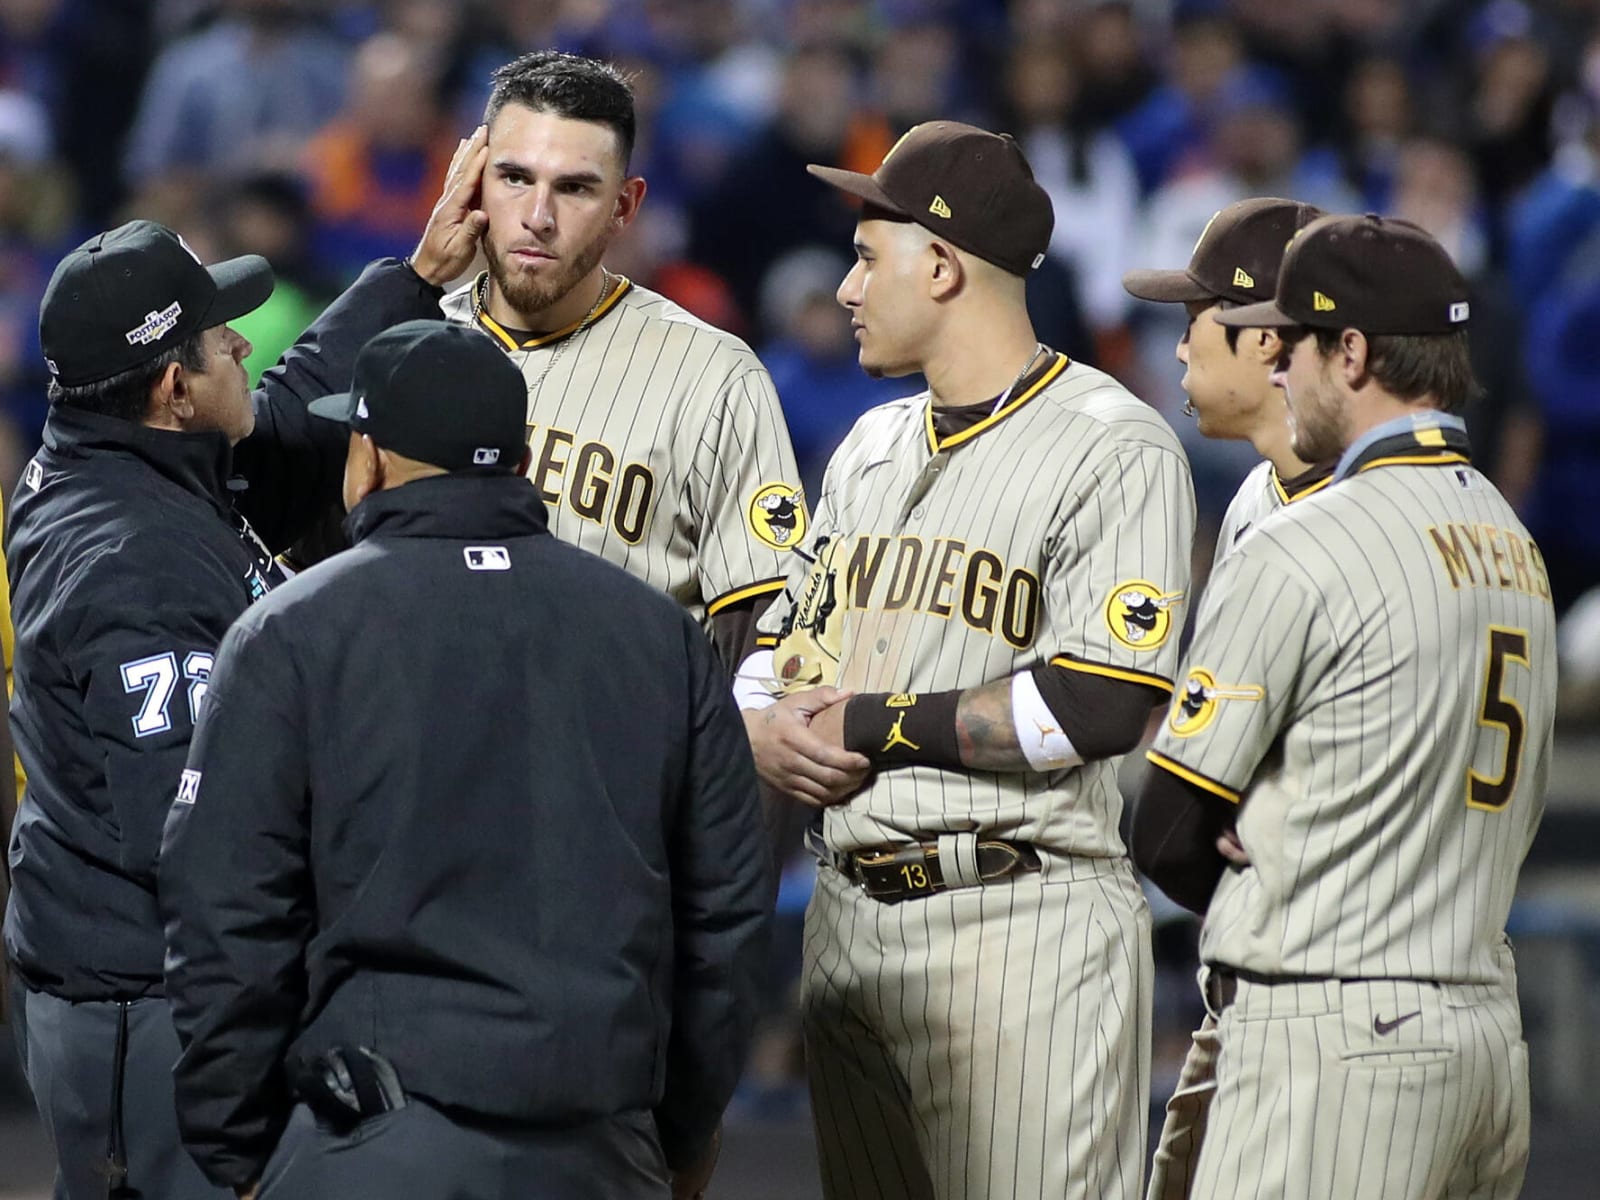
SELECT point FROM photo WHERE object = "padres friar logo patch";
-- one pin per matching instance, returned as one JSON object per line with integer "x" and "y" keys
{"x": 777, "y": 515}
{"x": 1195, "y": 705}
{"x": 1139, "y": 615}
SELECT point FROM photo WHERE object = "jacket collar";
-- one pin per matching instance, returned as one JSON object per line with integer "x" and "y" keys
{"x": 1426, "y": 438}
{"x": 197, "y": 462}
{"x": 465, "y": 504}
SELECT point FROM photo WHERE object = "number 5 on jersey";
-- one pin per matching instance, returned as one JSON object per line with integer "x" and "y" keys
{"x": 156, "y": 677}
{"x": 1499, "y": 711}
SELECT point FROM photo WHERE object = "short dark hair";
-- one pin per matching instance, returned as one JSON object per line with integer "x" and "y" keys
{"x": 126, "y": 395}
{"x": 568, "y": 85}
{"x": 1413, "y": 365}
{"x": 1230, "y": 332}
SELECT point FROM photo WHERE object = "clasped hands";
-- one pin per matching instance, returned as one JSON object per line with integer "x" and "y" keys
{"x": 799, "y": 747}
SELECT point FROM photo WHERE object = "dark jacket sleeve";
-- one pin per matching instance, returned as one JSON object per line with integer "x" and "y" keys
{"x": 293, "y": 463}
{"x": 722, "y": 894}
{"x": 1174, "y": 840}
{"x": 237, "y": 904}
{"x": 143, "y": 661}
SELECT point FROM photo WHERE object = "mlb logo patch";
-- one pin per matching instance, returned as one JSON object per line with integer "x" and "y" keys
{"x": 487, "y": 558}
{"x": 485, "y": 456}
{"x": 1459, "y": 312}
{"x": 188, "y": 787}
{"x": 33, "y": 476}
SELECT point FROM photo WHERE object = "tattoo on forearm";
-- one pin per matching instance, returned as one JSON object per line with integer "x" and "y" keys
{"x": 985, "y": 730}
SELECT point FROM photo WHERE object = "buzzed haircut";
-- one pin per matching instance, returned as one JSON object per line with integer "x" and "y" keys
{"x": 568, "y": 85}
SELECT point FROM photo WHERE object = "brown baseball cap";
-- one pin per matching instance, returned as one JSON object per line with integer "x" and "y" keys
{"x": 1236, "y": 258}
{"x": 1369, "y": 273}
{"x": 971, "y": 187}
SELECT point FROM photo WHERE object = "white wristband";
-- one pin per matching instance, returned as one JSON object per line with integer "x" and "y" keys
{"x": 1038, "y": 731}
{"x": 753, "y": 679}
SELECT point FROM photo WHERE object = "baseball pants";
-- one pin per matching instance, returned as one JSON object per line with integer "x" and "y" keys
{"x": 422, "y": 1154}
{"x": 68, "y": 1053}
{"x": 984, "y": 1042}
{"x": 1339, "y": 1090}
{"x": 1184, "y": 1128}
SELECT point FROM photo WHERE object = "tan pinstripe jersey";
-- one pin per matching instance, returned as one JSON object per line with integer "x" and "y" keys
{"x": 658, "y": 443}
{"x": 1373, "y": 678}
{"x": 1260, "y": 495}
{"x": 1057, "y": 529}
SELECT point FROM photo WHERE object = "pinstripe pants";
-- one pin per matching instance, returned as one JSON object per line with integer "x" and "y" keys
{"x": 1345, "y": 1090}
{"x": 982, "y": 1043}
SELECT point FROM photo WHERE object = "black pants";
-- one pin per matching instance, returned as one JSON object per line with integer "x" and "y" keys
{"x": 421, "y": 1154}
{"x": 68, "y": 1053}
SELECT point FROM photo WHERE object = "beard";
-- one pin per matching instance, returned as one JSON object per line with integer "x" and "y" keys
{"x": 529, "y": 296}
{"x": 1317, "y": 424}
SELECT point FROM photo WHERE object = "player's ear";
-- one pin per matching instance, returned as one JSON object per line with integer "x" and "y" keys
{"x": 171, "y": 397}
{"x": 947, "y": 272}
{"x": 1352, "y": 355}
{"x": 1265, "y": 345}
{"x": 363, "y": 469}
{"x": 626, "y": 208}
{"x": 160, "y": 399}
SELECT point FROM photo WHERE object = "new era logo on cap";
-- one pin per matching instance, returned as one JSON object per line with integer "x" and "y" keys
{"x": 1321, "y": 303}
{"x": 361, "y": 408}
{"x": 939, "y": 208}
{"x": 1243, "y": 278}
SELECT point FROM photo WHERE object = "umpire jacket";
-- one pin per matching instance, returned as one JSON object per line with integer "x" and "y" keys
{"x": 128, "y": 562}
{"x": 477, "y": 800}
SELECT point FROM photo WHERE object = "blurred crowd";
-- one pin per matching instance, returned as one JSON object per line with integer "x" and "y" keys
{"x": 315, "y": 133}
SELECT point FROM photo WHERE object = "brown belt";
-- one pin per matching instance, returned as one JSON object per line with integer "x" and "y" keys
{"x": 1222, "y": 984}
{"x": 910, "y": 872}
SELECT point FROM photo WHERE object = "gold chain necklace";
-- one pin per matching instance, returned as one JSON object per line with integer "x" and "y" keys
{"x": 480, "y": 299}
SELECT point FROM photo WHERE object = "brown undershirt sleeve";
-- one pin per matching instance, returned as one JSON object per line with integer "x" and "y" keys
{"x": 1174, "y": 842}
{"x": 1101, "y": 716}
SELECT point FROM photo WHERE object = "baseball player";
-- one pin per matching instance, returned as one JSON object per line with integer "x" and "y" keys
{"x": 1354, "y": 765}
{"x": 657, "y": 440}
{"x": 1231, "y": 396}
{"x": 985, "y": 614}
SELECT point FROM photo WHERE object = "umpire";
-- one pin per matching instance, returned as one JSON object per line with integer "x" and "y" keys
{"x": 138, "y": 533}
{"x": 466, "y": 887}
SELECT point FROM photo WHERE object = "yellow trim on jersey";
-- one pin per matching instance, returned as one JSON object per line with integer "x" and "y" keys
{"x": 744, "y": 593}
{"x": 935, "y": 445}
{"x": 767, "y": 643}
{"x": 1414, "y": 460}
{"x": 498, "y": 332}
{"x": 1283, "y": 492}
{"x": 1194, "y": 777}
{"x": 1088, "y": 668}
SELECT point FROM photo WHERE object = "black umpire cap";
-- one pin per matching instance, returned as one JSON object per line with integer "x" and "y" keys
{"x": 439, "y": 393}
{"x": 129, "y": 295}
{"x": 1237, "y": 257}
